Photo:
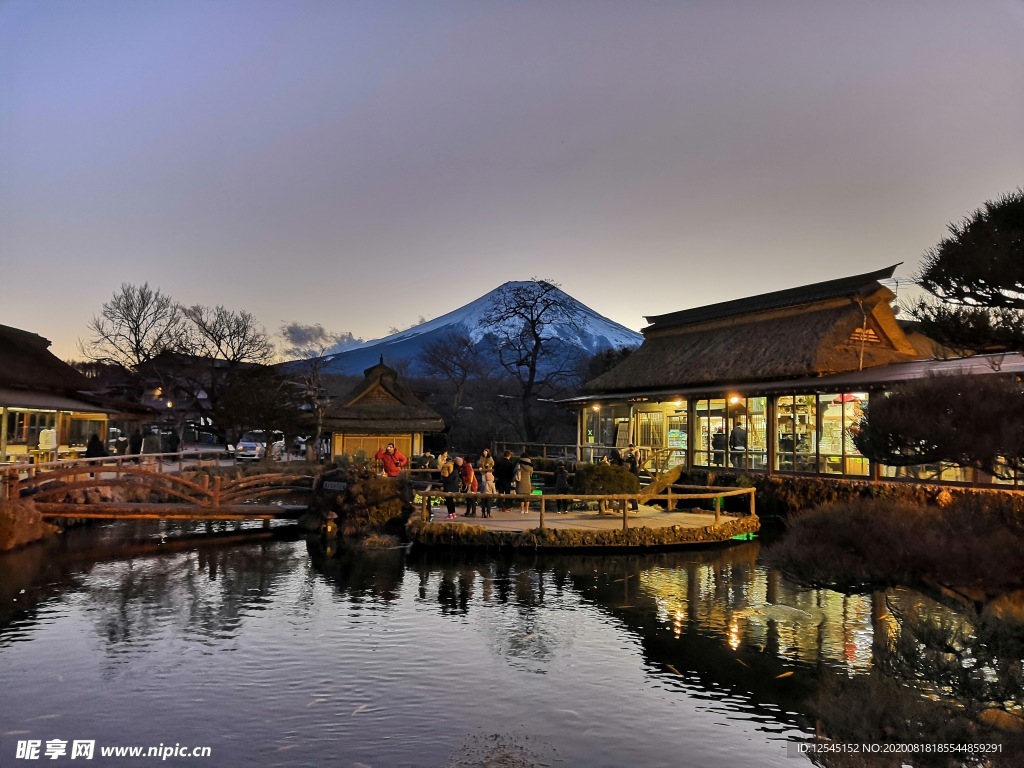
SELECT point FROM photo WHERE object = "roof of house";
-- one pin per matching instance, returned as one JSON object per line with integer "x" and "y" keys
{"x": 27, "y": 363}
{"x": 381, "y": 403}
{"x": 864, "y": 285}
{"x": 879, "y": 377}
{"x": 814, "y": 330}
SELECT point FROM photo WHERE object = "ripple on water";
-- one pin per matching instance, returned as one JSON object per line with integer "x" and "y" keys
{"x": 266, "y": 659}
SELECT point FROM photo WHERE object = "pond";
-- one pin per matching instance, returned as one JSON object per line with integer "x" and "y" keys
{"x": 270, "y": 651}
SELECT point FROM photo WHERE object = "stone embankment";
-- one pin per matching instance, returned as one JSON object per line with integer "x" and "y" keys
{"x": 21, "y": 523}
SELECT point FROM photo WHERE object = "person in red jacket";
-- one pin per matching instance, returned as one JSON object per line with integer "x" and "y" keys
{"x": 392, "y": 460}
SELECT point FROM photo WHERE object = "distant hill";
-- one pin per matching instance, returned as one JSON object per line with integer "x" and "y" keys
{"x": 595, "y": 333}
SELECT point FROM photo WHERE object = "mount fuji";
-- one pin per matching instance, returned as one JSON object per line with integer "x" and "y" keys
{"x": 576, "y": 326}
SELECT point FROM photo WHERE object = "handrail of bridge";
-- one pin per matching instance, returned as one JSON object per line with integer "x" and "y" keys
{"x": 17, "y": 476}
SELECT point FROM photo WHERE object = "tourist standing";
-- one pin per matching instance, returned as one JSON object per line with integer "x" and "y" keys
{"x": 392, "y": 460}
{"x": 450, "y": 482}
{"x": 718, "y": 443}
{"x": 442, "y": 459}
{"x": 488, "y": 487}
{"x": 632, "y": 459}
{"x": 486, "y": 462}
{"x": 135, "y": 445}
{"x": 738, "y": 444}
{"x": 152, "y": 445}
{"x": 121, "y": 445}
{"x": 504, "y": 472}
{"x": 561, "y": 487}
{"x": 94, "y": 448}
{"x": 524, "y": 480}
{"x": 469, "y": 485}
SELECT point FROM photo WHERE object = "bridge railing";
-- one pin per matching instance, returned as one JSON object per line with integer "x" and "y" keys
{"x": 83, "y": 472}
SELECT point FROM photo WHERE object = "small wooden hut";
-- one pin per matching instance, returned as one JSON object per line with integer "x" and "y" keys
{"x": 378, "y": 411}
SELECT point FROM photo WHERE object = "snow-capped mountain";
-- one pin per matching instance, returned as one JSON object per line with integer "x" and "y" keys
{"x": 590, "y": 334}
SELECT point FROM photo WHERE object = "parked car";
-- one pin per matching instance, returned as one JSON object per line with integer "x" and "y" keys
{"x": 253, "y": 446}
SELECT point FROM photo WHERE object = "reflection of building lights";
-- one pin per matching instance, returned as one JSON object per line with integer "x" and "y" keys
{"x": 677, "y": 624}
{"x": 170, "y": 404}
{"x": 734, "y": 635}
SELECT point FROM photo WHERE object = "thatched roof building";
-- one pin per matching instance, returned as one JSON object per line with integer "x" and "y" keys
{"x": 378, "y": 410}
{"x": 26, "y": 363}
{"x": 772, "y": 383}
{"x": 38, "y": 391}
{"x": 813, "y": 330}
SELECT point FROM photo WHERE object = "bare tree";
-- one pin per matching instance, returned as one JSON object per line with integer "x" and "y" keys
{"x": 454, "y": 358}
{"x": 136, "y": 325}
{"x": 524, "y": 322}
{"x": 308, "y": 346}
{"x": 223, "y": 334}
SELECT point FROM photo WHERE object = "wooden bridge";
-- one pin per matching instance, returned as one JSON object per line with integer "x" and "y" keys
{"x": 49, "y": 485}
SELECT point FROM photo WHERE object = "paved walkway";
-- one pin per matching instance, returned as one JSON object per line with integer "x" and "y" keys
{"x": 649, "y": 517}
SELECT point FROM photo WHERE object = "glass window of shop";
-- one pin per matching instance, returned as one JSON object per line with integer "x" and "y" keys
{"x": 23, "y": 427}
{"x": 747, "y": 432}
{"x": 796, "y": 433}
{"x": 601, "y": 427}
{"x": 81, "y": 429}
{"x": 731, "y": 432}
{"x": 838, "y": 419}
{"x": 710, "y": 434}
{"x": 677, "y": 437}
{"x": 650, "y": 429}
{"x": 939, "y": 471}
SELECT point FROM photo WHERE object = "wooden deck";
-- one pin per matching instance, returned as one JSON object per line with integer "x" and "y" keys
{"x": 587, "y": 520}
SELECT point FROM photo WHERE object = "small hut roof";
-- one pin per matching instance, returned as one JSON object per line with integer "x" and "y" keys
{"x": 27, "y": 363}
{"x": 382, "y": 403}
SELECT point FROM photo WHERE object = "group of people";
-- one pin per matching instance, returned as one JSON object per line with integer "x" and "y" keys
{"x": 736, "y": 442}
{"x": 130, "y": 446}
{"x": 493, "y": 477}
{"x": 483, "y": 474}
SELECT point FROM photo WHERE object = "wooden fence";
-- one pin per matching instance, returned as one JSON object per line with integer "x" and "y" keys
{"x": 673, "y": 496}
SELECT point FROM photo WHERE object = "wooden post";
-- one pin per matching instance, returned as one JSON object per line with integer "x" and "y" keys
{"x": 542, "y": 512}
{"x": 425, "y": 512}
{"x": 625, "y": 516}
{"x": 753, "y": 512}
{"x": 718, "y": 509}
{"x": 669, "y": 507}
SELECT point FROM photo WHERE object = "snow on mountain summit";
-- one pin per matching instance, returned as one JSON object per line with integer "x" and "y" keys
{"x": 592, "y": 334}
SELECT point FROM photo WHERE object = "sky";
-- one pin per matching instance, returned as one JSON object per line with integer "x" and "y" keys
{"x": 363, "y": 165}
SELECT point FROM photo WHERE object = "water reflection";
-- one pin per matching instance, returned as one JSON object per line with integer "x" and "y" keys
{"x": 357, "y": 575}
{"x": 683, "y": 647}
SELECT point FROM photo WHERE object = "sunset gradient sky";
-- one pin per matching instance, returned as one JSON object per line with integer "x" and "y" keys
{"x": 362, "y": 164}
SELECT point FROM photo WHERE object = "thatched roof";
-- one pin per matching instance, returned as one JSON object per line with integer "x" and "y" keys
{"x": 843, "y": 287}
{"x": 27, "y": 363}
{"x": 381, "y": 404}
{"x": 841, "y": 325}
